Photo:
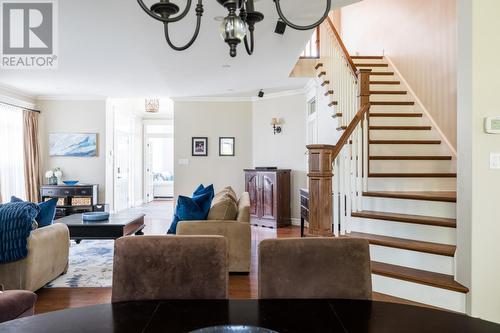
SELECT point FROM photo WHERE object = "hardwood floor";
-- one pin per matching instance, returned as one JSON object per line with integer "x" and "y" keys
{"x": 158, "y": 216}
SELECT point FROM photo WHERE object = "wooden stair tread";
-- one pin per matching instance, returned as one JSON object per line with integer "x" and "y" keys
{"x": 402, "y": 128}
{"x": 367, "y": 57}
{"x": 318, "y": 65}
{"x": 392, "y": 103}
{"x": 442, "y": 196}
{"x": 412, "y": 175}
{"x": 407, "y": 244}
{"x": 395, "y": 115}
{"x": 329, "y": 92}
{"x": 405, "y": 218}
{"x": 326, "y": 82}
{"x": 382, "y": 73}
{"x": 405, "y": 142}
{"x": 419, "y": 276}
{"x": 410, "y": 158}
{"x": 388, "y": 92}
{"x": 372, "y": 65}
{"x": 386, "y": 82}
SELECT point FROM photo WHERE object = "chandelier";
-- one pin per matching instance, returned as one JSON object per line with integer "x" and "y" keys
{"x": 152, "y": 105}
{"x": 237, "y": 27}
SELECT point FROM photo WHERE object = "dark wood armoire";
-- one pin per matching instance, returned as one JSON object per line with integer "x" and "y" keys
{"x": 270, "y": 198}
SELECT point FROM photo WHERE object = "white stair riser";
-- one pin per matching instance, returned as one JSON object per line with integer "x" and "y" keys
{"x": 391, "y": 98}
{"x": 413, "y": 259}
{"x": 397, "y": 121}
{"x": 412, "y": 184}
{"x": 387, "y": 87}
{"x": 411, "y": 207}
{"x": 425, "y": 233}
{"x": 369, "y": 61}
{"x": 403, "y": 135}
{"x": 438, "y": 297}
{"x": 412, "y": 166}
{"x": 382, "y": 77}
{"x": 407, "y": 149}
{"x": 392, "y": 108}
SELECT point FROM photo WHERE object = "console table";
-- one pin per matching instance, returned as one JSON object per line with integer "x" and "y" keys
{"x": 72, "y": 199}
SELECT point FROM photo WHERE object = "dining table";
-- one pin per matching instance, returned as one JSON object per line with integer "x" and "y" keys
{"x": 292, "y": 315}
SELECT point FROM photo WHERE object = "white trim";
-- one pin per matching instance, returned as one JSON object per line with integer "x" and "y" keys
{"x": 422, "y": 107}
{"x": 71, "y": 98}
{"x": 239, "y": 99}
{"x": 14, "y": 96}
{"x": 138, "y": 203}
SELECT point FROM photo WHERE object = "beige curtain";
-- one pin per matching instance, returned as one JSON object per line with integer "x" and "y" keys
{"x": 31, "y": 155}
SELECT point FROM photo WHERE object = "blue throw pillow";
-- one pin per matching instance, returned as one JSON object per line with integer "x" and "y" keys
{"x": 47, "y": 211}
{"x": 192, "y": 209}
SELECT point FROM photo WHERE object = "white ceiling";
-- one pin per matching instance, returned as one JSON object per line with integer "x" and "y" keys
{"x": 111, "y": 48}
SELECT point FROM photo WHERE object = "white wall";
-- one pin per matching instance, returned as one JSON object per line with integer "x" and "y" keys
{"x": 479, "y": 188}
{"x": 421, "y": 39}
{"x": 286, "y": 150}
{"x": 212, "y": 120}
{"x": 67, "y": 116}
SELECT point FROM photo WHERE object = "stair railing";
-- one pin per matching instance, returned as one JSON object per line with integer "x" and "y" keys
{"x": 338, "y": 173}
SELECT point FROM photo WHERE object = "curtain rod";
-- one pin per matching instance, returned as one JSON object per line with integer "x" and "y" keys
{"x": 21, "y": 107}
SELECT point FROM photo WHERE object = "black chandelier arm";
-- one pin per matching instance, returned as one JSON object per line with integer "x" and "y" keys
{"x": 184, "y": 47}
{"x": 166, "y": 20}
{"x": 250, "y": 47}
{"x": 302, "y": 27}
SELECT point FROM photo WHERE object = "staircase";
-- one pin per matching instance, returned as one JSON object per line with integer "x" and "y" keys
{"x": 407, "y": 208}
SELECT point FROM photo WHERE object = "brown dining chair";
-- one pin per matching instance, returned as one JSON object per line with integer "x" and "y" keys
{"x": 170, "y": 267}
{"x": 314, "y": 268}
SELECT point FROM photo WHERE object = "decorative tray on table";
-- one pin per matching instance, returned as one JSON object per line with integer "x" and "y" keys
{"x": 95, "y": 216}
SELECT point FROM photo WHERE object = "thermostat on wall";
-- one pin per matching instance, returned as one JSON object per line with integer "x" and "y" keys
{"x": 492, "y": 125}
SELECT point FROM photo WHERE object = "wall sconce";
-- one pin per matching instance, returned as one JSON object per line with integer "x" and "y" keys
{"x": 276, "y": 123}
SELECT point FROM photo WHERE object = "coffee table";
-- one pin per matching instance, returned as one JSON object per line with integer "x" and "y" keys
{"x": 118, "y": 225}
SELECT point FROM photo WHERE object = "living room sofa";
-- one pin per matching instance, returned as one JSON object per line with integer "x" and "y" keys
{"x": 48, "y": 252}
{"x": 237, "y": 231}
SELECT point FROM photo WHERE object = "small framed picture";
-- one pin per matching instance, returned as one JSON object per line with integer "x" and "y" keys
{"x": 226, "y": 146}
{"x": 199, "y": 146}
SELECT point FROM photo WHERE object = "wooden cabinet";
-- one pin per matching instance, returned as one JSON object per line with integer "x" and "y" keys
{"x": 72, "y": 199}
{"x": 269, "y": 197}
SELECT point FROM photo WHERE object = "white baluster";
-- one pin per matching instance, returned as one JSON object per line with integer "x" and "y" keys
{"x": 336, "y": 215}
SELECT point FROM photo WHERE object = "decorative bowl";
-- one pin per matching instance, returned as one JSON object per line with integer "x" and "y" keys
{"x": 70, "y": 182}
{"x": 95, "y": 216}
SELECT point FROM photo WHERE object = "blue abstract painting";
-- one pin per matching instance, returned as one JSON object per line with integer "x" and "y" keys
{"x": 73, "y": 144}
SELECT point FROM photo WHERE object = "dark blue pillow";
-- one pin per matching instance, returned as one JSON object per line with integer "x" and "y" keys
{"x": 192, "y": 209}
{"x": 47, "y": 211}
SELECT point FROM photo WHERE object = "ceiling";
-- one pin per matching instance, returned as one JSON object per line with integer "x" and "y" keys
{"x": 111, "y": 48}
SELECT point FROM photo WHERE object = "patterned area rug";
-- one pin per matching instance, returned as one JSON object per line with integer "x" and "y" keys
{"x": 90, "y": 265}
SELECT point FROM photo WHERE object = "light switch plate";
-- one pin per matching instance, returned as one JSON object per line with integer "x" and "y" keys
{"x": 494, "y": 160}
{"x": 183, "y": 161}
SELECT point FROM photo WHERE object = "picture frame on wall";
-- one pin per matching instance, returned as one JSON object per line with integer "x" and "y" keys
{"x": 73, "y": 144}
{"x": 226, "y": 146}
{"x": 199, "y": 146}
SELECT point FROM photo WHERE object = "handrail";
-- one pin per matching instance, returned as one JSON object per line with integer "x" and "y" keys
{"x": 352, "y": 66}
{"x": 352, "y": 126}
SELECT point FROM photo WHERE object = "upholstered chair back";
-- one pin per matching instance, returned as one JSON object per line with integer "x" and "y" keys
{"x": 170, "y": 267}
{"x": 314, "y": 268}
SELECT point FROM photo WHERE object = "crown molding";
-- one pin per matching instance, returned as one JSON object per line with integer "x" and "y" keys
{"x": 15, "y": 96}
{"x": 71, "y": 98}
{"x": 284, "y": 93}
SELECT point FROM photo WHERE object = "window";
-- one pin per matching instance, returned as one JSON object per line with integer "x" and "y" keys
{"x": 311, "y": 51}
{"x": 11, "y": 153}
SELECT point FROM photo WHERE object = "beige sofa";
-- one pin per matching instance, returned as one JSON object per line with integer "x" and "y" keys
{"x": 237, "y": 232}
{"x": 48, "y": 251}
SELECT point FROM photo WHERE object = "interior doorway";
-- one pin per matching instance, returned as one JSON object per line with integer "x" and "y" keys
{"x": 158, "y": 160}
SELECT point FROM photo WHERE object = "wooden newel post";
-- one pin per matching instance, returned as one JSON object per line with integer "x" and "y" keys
{"x": 320, "y": 190}
{"x": 364, "y": 86}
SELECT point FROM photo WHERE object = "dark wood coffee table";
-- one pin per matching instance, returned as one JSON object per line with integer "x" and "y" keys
{"x": 118, "y": 225}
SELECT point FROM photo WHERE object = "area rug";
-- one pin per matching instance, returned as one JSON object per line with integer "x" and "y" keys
{"x": 90, "y": 265}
